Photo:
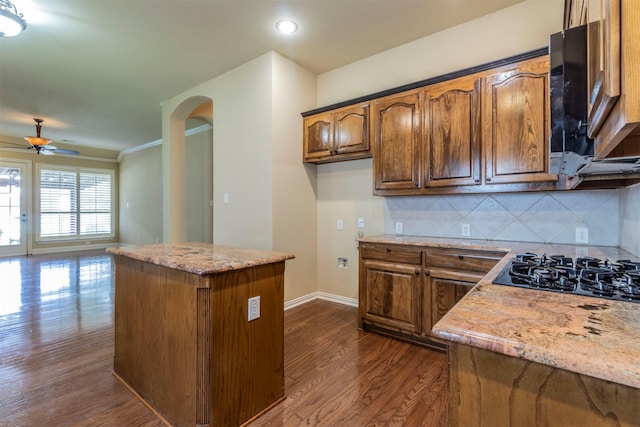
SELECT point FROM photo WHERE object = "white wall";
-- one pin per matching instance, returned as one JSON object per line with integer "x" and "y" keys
{"x": 294, "y": 183}
{"x": 345, "y": 189}
{"x": 257, "y": 162}
{"x": 199, "y": 186}
{"x": 141, "y": 197}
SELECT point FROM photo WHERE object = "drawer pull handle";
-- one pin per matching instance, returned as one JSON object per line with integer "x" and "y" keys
{"x": 460, "y": 256}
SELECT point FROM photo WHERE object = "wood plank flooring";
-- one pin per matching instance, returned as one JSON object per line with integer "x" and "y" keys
{"x": 56, "y": 357}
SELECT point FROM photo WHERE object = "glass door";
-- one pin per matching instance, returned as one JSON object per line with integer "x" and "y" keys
{"x": 13, "y": 208}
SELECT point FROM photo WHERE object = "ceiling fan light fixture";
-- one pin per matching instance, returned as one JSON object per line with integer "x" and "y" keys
{"x": 12, "y": 22}
{"x": 37, "y": 141}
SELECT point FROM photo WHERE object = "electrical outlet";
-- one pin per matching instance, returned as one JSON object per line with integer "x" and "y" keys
{"x": 398, "y": 228}
{"x": 343, "y": 262}
{"x": 339, "y": 224}
{"x": 360, "y": 222}
{"x": 254, "y": 308}
{"x": 582, "y": 235}
{"x": 466, "y": 230}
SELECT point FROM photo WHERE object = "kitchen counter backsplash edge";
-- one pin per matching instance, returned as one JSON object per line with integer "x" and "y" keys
{"x": 508, "y": 247}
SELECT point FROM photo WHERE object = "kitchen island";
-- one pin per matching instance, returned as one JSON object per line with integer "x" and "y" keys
{"x": 522, "y": 357}
{"x": 183, "y": 341}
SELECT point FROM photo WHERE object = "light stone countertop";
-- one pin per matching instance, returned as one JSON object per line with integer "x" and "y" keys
{"x": 200, "y": 258}
{"x": 591, "y": 336}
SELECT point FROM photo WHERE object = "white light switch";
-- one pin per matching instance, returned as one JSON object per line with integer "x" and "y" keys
{"x": 225, "y": 198}
{"x": 339, "y": 225}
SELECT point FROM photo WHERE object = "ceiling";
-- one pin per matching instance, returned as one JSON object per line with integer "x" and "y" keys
{"x": 97, "y": 71}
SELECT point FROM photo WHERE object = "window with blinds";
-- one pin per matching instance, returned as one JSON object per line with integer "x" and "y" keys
{"x": 75, "y": 203}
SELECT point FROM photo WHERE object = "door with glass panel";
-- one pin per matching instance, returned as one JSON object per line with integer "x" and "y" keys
{"x": 13, "y": 208}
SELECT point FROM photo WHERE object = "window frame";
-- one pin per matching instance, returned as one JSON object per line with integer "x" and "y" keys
{"x": 78, "y": 236}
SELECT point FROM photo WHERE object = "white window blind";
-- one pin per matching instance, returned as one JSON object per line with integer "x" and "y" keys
{"x": 75, "y": 203}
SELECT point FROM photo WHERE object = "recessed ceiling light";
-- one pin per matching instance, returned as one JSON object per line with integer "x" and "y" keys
{"x": 287, "y": 26}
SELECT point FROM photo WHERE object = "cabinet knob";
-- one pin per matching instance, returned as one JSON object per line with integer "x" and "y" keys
{"x": 426, "y": 272}
{"x": 488, "y": 179}
{"x": 417, "y": 271}
{"x": 460, "y": 256}
{"x": 476, "y": 180}
{"x": 388, "y": 250}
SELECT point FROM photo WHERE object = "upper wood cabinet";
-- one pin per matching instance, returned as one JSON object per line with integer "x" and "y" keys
{"x": 603, "y": 35}
{"x": 397, "y": 132}
{"x": 452, "y": 133}
{"x": 613, "y": 54}
{"x": 341, "y": 134}
{"x": 516, "y": 124}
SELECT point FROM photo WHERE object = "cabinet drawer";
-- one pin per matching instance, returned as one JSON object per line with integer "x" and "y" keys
{"x": 463, "y": 259}
{"x": 391, "y": 253}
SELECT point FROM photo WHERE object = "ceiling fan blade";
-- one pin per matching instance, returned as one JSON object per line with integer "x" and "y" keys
{"x": 63, "y": 151}
{"x": 57, "y": 150}
{"x": 46, "y": 152}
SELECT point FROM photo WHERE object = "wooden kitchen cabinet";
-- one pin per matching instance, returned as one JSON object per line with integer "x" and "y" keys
{"x": 449, "y": 275}
{"x": 341, "y": 134}
{"x": 613, "y": 55}
{"x": 405, "y": 289}
{"x": 516, "y": 123}
{"x": 484, "y": 132}
{"x": 616, "y": 129}
{"x": 397, "y": 138}
{"x": 390, "y": 287}
{"x": 452, "y": 133}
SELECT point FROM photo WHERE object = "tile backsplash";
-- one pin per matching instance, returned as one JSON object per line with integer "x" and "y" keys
{"x": 630, "y": 219}
{"x": 548, "y": 217}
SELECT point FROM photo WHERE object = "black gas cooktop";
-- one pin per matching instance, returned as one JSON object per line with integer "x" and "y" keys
{"x": 618, "y": 280}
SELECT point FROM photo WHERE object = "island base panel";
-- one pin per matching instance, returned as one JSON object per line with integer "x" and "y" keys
{"x": 492, "y": 389}
{"x": 184, "y": 344}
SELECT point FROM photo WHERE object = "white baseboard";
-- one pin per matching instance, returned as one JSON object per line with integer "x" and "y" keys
{"x": 57, "y": 249}
{"x": 323, "y": 296}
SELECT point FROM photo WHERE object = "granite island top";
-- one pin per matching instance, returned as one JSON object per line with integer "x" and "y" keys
{"x": 591, "y": 336}
{"x": 200, "y": 258}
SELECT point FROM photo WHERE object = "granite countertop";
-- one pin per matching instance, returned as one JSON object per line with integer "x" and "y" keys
{"x": 200, "y": 258}
{"x": 591, "y": 336}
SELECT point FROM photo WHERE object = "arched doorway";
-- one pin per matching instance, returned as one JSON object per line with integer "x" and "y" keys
{"x": 188, "y": 182}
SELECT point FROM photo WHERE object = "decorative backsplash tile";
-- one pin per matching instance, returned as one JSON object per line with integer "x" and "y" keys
{"x": 630, "y": 220}
{"x": 548, "y": 217}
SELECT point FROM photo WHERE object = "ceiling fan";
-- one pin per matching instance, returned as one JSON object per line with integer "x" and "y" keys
{"x": 41, "y": 145}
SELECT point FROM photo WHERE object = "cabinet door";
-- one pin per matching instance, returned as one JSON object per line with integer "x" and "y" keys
{"x": 603, "y": 53}
{"x": 452, "y": 133}
{"x": 443, "y": 290}
{"x": 392, "y": 295}
{"x": 351, "y": 133}
{"x": 516, "y": 123}
{"x": 318, "y": 136}
{"x": 396, "y": 142}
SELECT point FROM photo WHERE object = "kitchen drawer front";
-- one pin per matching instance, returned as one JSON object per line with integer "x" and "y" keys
{"x": 391, "y": 253}
{"x": 463, "y": 259}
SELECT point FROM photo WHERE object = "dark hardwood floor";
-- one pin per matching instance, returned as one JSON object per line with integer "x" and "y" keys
{"x": 56, "y": 357}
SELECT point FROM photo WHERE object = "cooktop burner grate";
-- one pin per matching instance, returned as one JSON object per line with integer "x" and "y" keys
{"x": 619, "y": 280}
